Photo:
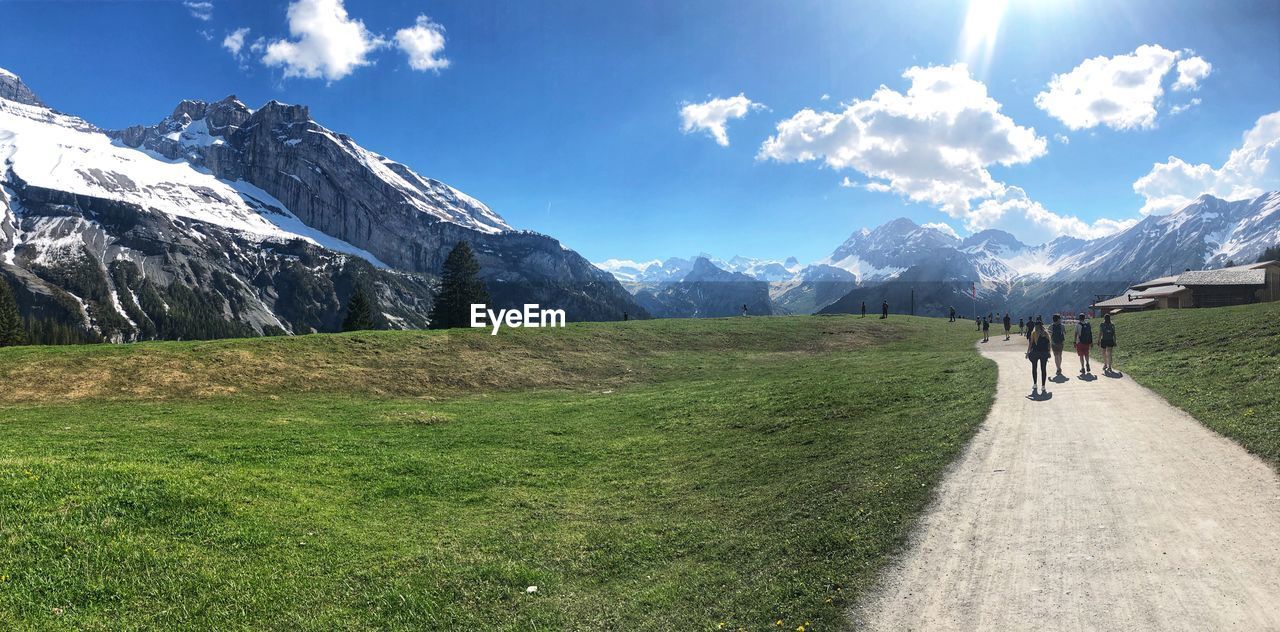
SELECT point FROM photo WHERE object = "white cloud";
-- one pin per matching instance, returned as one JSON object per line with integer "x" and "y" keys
{"x": 825, "y": 97}
{"x": 1178, "y": 109}
{"x": 933, "y": 144}
{"x": 423, "y": 43}
{"x": 712, "y": 115}
{"x": 258, "y": 45}
{"x": 1062, "y": 138}
{"x": 234, "y": 41}
{"x": 943, "y": 227}
{"x": 329, "y": 43}
{"x": 1251, "y": 170}
{"x": 1190, "y": 71}
{"x": 1028, "y": 220}
{"x": 1120, "y": 92}
{"x": 199, "y": 10}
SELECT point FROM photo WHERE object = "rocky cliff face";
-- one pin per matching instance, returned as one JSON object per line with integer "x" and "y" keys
{"x": 265, "y": 216}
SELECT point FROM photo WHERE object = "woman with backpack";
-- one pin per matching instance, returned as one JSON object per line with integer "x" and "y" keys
{"x": 1038, "y": 354}
{"x": 1108, "y": 342}
{"x": 1084, "y": 340}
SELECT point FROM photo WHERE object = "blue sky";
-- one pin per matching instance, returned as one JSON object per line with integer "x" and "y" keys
{"x": 565, "y": 117}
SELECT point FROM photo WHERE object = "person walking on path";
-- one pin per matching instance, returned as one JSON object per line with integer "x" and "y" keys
{"x": 986, "y": 329}
{"x": 1008, "y": 322}
{"x": 1020, "y": 326}
{"x": 1038, "y": 354}
{"x": 953, "y": 315}
{"x": 884, "y": 309}
{"x": 864, "y": 309}
{"x": 1057, "y": 337}
{"x": 1084, "y": 340}
{"x": 1108, "y": 342}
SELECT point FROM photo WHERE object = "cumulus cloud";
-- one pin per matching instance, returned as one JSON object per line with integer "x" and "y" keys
{"x": 1120, "y": 92}
{"x": 199, "y": 10}
{"x": 1251, "y": 170}
{"x": 234, "y": 41}
{"x": 711, "y": 116}
{"x": 1062, "y": 138}
{"x": 1190, "y": 71}
{"x": 1028, "y": 220}
{"x": 943, "y": 227}
{"x": 329, "y": 44}
{"x": 423, "y": 43}
{"x": 933, "y": 144}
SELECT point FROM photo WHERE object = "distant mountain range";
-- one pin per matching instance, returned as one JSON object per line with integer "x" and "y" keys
{"x": 902, "y": 262}
{"x": 225, "y": 220}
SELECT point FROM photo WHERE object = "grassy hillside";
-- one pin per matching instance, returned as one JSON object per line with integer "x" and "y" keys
{"x": 644, "y": 475}
{"x": 1221, "y": 365}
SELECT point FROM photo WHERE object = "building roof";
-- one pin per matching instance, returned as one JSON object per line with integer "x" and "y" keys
{"x": 1123, "y": 302}
{"x": 1166, "y": 280}
{"x": 1161, "y": 290}
{"x": 1225, "y": 276}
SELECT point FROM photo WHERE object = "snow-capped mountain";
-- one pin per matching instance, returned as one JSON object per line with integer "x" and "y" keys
{"x": 900, "y": 260}
{"x": 641, "y": 274}
{"x": 224, "y": 220}
{"x": 707, "y": 291}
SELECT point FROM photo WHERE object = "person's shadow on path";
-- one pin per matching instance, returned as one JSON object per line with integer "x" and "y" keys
{"x": 1040, "y": 396}
{"x": 1113, "y": 374}
{"x": 1059, "y": 379}
{"x": 1088, "y": 377}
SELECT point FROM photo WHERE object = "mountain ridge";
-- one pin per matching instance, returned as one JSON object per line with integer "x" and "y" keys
{"x": 267, "y": 218}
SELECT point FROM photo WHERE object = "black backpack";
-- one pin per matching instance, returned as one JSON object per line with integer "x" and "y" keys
{"x": 1086, "y": 333}
{"x": 1042, "y": 346}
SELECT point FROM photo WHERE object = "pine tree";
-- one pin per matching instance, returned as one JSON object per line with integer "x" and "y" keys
{"x": 360, "y": 312}
{"x": 12, "y": 331}
{"x": 1270, "y": 254}
{"x": 460, "y": 287}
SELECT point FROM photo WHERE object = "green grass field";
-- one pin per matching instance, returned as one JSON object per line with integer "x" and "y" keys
{"x": 1221, "y": 365}
{"x": 646, "y": 475}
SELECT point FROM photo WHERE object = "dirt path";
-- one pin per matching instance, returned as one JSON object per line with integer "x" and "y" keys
{"x": 1099, "y": 508}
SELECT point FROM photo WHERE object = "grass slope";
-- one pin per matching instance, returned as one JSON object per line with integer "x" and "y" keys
{"x": 1221, "y": 365}
{"x": 644, "y": 475}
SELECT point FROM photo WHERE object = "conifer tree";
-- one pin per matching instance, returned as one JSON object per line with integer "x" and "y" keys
{"x": 12, "y": 331}
{"x": 360, "y": 312}
{"x": 1270, "y": 254}
{"x": 460, "y": 287}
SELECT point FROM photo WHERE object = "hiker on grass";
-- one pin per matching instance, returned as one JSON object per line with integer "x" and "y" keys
{"x": 1107, "y": 342}
{"x": 986, "y": 327}
{"x": 1008, "y": 322}
{"x": 864, "y": 309}
{"x": 953, "y": 315}
{"x": 744, "y": 309}
{"x": 1084, "y": 340}
{"x": 1057, "y": 337}
{"x": 884, "y": 309}
{"x": 1038, "y": 354}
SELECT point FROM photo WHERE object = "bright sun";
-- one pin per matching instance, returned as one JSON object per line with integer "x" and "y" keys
{"x": 981, "y": 26}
